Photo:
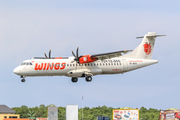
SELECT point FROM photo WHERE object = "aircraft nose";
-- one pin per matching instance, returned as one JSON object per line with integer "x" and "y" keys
{"x": 17, "y": 71}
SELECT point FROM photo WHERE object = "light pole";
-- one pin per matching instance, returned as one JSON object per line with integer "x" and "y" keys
{"x": 82, "y": 107}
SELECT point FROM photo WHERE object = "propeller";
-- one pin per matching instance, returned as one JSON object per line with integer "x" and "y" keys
{"x": 49, "y": 54}
{"x": 76, "y": 56}
{"x": 46, "y": 57}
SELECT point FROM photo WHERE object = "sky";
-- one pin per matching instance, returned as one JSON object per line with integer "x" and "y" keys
{"x": 28, "y": 28}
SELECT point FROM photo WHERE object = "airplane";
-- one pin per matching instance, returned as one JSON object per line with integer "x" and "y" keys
{"x": 76, "y": 66}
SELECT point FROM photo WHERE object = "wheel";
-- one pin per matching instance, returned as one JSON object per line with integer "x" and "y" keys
{"x": 74, "y": 79}
{"x": 23, "y": 80}
{"x": 88, "y": 78}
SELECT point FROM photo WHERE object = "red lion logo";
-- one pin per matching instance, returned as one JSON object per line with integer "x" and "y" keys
{"x": 147, "y": 48}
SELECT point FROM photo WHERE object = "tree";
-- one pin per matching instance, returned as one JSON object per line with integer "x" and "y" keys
{"x": 41, "y": 111}
{"x": 31, "y": 114}
{"x": 88, "y": 113}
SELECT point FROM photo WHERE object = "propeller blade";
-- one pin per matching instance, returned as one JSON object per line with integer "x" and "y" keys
{"x": 77, "y": 52}
{"x": 73, "y": 54}
{"x": 45, "y": 55}
{"x": 49, "y": 53}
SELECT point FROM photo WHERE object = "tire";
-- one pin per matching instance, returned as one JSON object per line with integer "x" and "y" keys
{"x": 74, "y": 80}
{"x": 23, "y": 80}
{"x": 88, "y": 78}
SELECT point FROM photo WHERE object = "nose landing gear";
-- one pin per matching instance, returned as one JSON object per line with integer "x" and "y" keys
{"x": 23, "y": 80}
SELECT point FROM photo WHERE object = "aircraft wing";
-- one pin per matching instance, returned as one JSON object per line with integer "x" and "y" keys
{"x": 110, "y": 55}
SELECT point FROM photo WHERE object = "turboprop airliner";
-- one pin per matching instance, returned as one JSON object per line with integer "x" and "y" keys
{"x": 86, "y": 66}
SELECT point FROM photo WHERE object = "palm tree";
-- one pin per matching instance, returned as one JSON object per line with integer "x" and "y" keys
{"x": 31, "y": 114}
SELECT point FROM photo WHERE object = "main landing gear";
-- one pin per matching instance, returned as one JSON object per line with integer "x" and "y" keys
{"x": 23, "y": 80}
{"x": 74, "y": 79}
{"x": 88, "y": 79}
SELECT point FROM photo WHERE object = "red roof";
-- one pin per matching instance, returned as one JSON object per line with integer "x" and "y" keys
{"x": 16, "y": 119}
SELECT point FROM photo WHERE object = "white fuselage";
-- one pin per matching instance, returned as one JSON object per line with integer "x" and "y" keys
{"x": 65, "y": 67}
{"x": 106, "y": 63}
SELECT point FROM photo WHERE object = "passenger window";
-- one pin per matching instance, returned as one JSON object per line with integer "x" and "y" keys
{"x": 88, "y": 64}
{"x": 30, "y": 63}
{"x": 117, "y": 63}
{"x": 70, "y": 64}
{"x": 73, "y": 64}
{"x": 67, "y": 64}
{"x": 50, "y": 65}
{"x": 114, "y": 63}
{"x": 106, "y": 64}
{"x": 94, "y": 64}
{"x": 85, "y": 64}
{"x": 100, "y": 64}
{"x": 91, "y": 64}
{"x": 109, "y": 64}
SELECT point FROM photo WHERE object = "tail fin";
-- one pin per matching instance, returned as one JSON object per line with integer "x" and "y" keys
{"x": 145, "y": 49}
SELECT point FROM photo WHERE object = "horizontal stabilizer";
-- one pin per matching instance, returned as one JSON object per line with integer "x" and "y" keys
{"x": 151, "y": 36}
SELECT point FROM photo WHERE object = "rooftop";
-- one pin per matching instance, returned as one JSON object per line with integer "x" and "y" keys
{"x": 6, "y": 110}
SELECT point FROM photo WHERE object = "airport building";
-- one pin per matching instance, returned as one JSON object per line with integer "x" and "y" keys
{"x": 6, "y": 113}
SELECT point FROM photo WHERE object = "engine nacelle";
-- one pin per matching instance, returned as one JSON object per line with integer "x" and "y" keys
{"x": 87, "y": 59}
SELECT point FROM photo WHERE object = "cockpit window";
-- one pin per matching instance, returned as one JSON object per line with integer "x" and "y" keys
{"x": 23, "y": 63}
{"x": 26, "y": 63}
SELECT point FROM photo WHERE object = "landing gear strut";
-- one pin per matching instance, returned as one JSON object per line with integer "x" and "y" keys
{"x": 74, "y": 79}
{"x": 88, "y": 78}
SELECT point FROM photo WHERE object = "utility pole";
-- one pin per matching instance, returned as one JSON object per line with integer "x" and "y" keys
{"x": 82, "y": 107}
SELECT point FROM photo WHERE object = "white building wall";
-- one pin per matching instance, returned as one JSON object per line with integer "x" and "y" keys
{"x": 71, "y": 112}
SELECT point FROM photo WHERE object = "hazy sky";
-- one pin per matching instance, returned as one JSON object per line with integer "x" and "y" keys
{"x": 29, "y": 28}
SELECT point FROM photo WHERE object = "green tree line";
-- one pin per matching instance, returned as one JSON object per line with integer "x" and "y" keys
{"x": 88, "y": 113}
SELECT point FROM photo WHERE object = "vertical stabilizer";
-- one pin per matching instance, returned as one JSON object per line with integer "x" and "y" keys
{"x": 145, "y": 49}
